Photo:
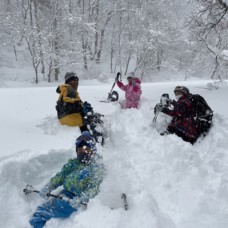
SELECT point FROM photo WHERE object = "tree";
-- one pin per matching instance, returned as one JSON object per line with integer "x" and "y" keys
{"x": 209, "y": 29}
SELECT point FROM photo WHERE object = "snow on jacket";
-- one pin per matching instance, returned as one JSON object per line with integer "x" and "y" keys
{"x": 132, "y": 93}
{"x": 80, "y": 179}
{"x": 183, "y": 114}
{"x": 69, "y": 106}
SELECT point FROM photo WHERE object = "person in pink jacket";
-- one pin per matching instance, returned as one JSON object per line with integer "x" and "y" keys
{"x": 132, "y": 91}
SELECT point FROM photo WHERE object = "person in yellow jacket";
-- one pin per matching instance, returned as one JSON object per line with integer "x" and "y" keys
{"x": 69, "y": 105}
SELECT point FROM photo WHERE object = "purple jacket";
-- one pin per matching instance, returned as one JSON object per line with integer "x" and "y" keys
{"x": 132, "y": 93}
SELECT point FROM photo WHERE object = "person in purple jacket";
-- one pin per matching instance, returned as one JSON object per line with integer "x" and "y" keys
{"x": 132, "y": 91}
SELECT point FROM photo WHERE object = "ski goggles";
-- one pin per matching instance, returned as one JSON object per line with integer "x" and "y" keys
{"x": 86, "y": 140}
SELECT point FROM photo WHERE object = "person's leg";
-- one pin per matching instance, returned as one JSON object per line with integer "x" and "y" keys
{"x": 54, "y": 209}
{"x": 41, "y": 215}
{"x": 184, "y": 137}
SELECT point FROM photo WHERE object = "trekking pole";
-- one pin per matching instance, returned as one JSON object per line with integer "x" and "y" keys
{"x": 164, "y": 102}
{"x": 155, "y": 117}
{"x": 29, "y": 189}
{"x": 156, "y": 113}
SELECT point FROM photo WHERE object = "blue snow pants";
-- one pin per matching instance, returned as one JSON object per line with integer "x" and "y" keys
{"x": 55, "y": 208}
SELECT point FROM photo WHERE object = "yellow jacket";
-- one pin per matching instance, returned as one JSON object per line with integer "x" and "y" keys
{"x": 69, "y": 106}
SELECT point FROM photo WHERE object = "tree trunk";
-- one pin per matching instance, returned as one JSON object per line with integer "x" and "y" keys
{"x": 96, "y": 33}
{"x": 84, "y": 49}
{"x": 128, "y": 61}
{"x": 49, "y": 71}
{"x": 56, "y": 40}
{"x": 98, "y": 58}
{"x": 15, "y": 52}
{"x": 111, "y": 62}
{"x": 96, "y": 43}
{"x": 38, "y": 31}
{"x": 36, "y": 71}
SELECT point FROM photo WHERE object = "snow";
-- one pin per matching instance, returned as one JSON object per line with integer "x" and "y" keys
{"x": 169, "y": 183}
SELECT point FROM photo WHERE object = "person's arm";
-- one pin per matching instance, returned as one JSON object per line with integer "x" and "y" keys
{"x": 178, "y": 111}
{"x": 137, "y": 88}
{"x": 54, "y": 183}
{"x": 136, "y": 85}
{"x": 59, "y": 178}
{"x": 121, "y": 85}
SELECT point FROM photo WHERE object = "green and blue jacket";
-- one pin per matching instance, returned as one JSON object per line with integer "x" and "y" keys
{"x": 82, "y": 180}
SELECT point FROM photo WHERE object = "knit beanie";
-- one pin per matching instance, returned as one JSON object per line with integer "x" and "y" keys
{"x": 131, "y": 75}
{"x": 182, "y": 89}
{"x": 69, "y": 76}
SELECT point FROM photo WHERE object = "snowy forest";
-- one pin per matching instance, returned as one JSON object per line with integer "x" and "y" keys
{"x": 168, "y": 182}
{"x": 98, "y": 37}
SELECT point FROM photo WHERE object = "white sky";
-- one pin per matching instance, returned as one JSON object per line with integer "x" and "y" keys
{"x": 169, "y": 183}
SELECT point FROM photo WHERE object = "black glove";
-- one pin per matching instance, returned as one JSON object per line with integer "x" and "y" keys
{"x": 117, "y": 76}
{"x": 173, "y": 102}
{"x": 87, "y": 107}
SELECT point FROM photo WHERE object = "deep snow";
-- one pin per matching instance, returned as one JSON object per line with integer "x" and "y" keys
{"x": 169, "y": 183}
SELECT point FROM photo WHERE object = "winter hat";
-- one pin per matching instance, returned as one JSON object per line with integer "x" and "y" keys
{"x": 182, "y": 89}
{"x": 69, "y": 76}
{"x": 85, "y": 139}
{"x": 131, "y": 75}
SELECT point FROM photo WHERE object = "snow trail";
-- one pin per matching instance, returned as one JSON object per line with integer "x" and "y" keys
{"x": 169, "y": 183}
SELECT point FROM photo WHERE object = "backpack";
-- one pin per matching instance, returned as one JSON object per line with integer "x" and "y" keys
{"x": 65, "y": 108}
{"x": 203, "y": 113}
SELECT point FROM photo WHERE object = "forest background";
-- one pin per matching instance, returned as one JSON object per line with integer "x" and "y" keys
{"x": 96, "y": 38}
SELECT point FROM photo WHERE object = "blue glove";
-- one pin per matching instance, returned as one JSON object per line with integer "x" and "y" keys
{"x": 45, "y": 190}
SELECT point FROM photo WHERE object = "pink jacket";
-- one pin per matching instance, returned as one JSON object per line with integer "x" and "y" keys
{"x": 132, "y": 93}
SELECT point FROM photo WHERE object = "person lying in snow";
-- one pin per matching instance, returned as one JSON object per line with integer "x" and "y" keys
{"x": 192, "y": 117}
{"x": 132, "y": 91}
{"x": 80, "y": 177}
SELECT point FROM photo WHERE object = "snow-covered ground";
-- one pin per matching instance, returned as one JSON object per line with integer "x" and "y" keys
{"x": 169, "y": 183}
